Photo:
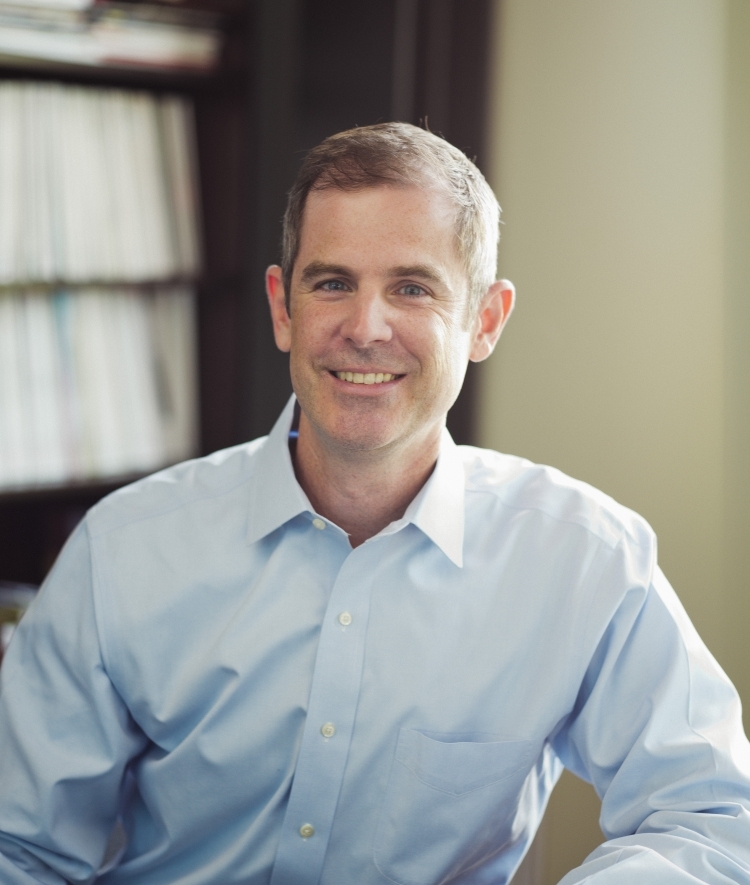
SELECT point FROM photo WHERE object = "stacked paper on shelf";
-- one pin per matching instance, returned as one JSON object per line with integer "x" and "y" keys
{"x": 95, "y": 383}
{"x": 97, "y": 185}
{"x": 48, "y": 4}
{"x": 122, "y": 35}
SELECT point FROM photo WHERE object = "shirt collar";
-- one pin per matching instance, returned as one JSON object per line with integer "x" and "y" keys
{"x": 438, "y": 508}
{"x": 276, "y": 496}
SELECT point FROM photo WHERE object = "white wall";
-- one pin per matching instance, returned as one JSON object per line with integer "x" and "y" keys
{"x": 737, "y": 349}
{"x": 613, "y": 159}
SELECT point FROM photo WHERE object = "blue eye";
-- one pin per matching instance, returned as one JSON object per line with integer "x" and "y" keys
{"x": 333, "y": 286}
{"x": 411, "y": 289}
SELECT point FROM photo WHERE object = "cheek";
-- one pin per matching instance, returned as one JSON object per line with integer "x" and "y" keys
{"x": 299, "y": 361}
{"x": 313, "y": 328}
{"x": 449, "y": 349}
{"x": 306, "y": 336}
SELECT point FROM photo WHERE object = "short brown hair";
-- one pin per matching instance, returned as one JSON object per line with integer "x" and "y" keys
{"x": 399, "y": 154}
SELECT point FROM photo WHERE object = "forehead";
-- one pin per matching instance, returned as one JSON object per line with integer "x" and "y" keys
{"x": 400, "y": 225}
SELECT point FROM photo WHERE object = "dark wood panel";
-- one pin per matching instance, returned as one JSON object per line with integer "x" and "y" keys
{"x": 450, "y": 97}
{"x": 272, "y": 107}
{"x": 346, "y": 67}
{"x": 222, "y": 137}
{"x": 35, "y": 525}
{"x": 220, "y": 337}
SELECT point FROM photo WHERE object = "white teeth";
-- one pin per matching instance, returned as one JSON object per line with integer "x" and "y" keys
{"x": 361, "y": 378}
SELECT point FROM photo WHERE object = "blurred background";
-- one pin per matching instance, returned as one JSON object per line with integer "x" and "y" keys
{"x": 617, "y": 137}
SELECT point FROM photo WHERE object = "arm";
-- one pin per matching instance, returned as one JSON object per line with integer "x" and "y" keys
{"x": 657, "y": 729}
{"x": 66, "y": 735}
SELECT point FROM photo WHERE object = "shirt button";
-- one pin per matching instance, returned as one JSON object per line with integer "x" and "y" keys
{"x": 318, "y": 523}
{"x": 328, "y": 730}
{"x": 307, "y": 830}
{"x": 345, "y": 619}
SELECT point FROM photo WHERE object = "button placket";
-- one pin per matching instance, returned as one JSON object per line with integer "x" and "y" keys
{"x": 333, "y": 699}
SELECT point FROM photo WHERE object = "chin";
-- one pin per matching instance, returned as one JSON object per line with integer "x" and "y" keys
{"x": 361, "y": 440}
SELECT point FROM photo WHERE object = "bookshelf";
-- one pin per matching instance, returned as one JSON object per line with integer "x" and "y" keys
{"x": 291, "y": 72}
{"x": 36, "y": 519}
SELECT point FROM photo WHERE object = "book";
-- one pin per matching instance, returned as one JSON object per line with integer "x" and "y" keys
{"x": 180, "y": 151}
{"x": 118, "y": 35}
{"x": 48, "y": 4}
{"x": 99, "y": 185}
{"x": 96, "y": 383}
{"x": 98, "y": 242}
{"x": 39, "y": 351}
{"x": 174, "y": 337}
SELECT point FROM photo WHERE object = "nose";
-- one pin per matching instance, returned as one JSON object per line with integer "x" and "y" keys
{"x": 366, "y": 321}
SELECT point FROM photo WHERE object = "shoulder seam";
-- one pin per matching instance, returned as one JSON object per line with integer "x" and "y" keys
{"x": 610, "y": 541}
{"x": 163, "y": 511}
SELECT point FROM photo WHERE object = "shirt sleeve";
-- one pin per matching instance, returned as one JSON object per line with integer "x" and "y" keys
{"x": 65, "y": 733}
{"x": 657, "y": 729}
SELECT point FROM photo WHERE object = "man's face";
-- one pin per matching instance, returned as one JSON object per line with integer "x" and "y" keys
{"x": 379, "y": 336}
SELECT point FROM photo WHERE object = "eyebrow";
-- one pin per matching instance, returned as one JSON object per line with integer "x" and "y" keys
{"x": 317, "y": 269}
{"x": 423, "y": 271}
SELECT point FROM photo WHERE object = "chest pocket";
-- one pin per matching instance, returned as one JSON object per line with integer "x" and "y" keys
{"x": 449, "y": 804}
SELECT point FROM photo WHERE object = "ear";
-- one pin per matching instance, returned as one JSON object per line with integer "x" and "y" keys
{"x": 494, "y": 311}
{"x": 282, "y": 325}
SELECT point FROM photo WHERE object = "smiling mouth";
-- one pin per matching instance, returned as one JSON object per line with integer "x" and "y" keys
{"x": 369, "y": 378}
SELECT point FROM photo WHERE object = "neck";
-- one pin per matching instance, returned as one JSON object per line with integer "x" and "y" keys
{"x": 361, "y": 492}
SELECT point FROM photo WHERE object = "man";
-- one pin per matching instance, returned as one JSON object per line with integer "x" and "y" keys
{"x": 352, "y": 652}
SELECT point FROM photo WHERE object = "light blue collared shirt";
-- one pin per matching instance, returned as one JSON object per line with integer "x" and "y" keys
{"x": 210, "y": 660}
